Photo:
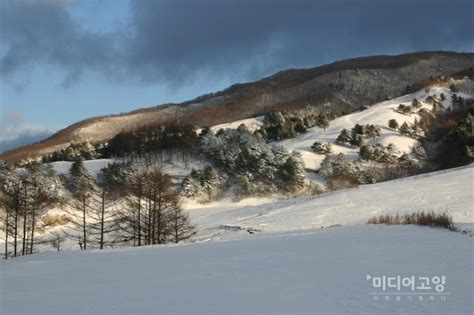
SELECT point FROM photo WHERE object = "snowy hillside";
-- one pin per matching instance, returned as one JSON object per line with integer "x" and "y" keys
{"x": 377, "y": 114}
{"x": 315, "y": 272}
{"x": 279, "y": 254}
{"x": 252, "y": 124}
{"x": 445, "y": 191}
{"x": 95, "y": 166}
{"x": 449, "y": 191}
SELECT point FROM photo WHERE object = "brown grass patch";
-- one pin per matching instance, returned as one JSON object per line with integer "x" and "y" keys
{"x": 51, "y": 220}
{"x": 443, "y": 220}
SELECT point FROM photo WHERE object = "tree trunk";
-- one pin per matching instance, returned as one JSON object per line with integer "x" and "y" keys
{"x": 17, "y": 209}
{"x": 149, "y": 222}
{"x": 139, "y": 223}
{"x": 6, "y": 234}
{"x": 33, "y": 223}
{"x": 159, "y": 220}
{"x": 176, "y": 227}
{"x": 25, "y": 215}
{"x": 102, "y": 220}
{"x": 84, "y": 221}
{"x": 153, "y": 224}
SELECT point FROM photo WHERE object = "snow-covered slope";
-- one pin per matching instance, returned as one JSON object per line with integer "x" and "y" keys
{"x": 378, "y": 114}
{"x": 251, "y": 124}
{"x": 176, "y": 169}
{"x": 93, "y": 166}
{"x": 440, "y": 192}
{"x": 317, "y": 272}
{"x": 272, "y": 255}
{"x": 445, "y": 191}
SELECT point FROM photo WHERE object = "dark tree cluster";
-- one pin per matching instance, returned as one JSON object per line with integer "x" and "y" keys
{"x": 281, "y": 125}
{"x": 320, "y": 147}
{"x": 450, "y": 138}
{"x": 76, "y": 151}
{"x": 156, "y": 143}
{"x": 379, "y": 153}
{"x": 358, "y": 132}
{"x": 457, "y": 101}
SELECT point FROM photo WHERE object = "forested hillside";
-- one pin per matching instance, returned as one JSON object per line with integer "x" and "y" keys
{"x": 339, "y": 88}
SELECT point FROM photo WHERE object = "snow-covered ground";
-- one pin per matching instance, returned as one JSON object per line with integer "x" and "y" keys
{"x": 93, "y": 166}
{"x": 312, "y": 272}
{"x": 378, "y": 114}
{"x": 307, "y": 255}
{"x": 251, "y": 124}
{"x": 175, "y": 168}
{"x": 448, "y": 191}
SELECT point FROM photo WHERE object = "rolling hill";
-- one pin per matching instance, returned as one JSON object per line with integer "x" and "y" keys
{"x": 340, "y": 87}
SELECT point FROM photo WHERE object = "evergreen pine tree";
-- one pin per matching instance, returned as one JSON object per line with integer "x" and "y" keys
{"x": 405, "y": 129}
{"x": 393, "y": 124}
{"x": 344, "y": 137}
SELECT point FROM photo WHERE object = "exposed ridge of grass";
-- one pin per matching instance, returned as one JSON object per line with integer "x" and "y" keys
{"x": 443, "y": 220}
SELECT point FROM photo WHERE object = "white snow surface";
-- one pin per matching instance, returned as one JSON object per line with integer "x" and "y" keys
{"x": 448, "y": 191}
{"x": 251, "y": 124}
{"x": 378, "y": 114}
{"x": 93, "y": 166}
{"x": 312, "y": 272}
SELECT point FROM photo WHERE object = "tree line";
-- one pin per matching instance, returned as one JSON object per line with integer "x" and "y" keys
{"x": 128, "y": 205}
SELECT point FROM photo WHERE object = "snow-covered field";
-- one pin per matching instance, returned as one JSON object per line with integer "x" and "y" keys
{"x": 312, "y": 272}
{"x": 445, "y": 191}
{"x": 270, "y": 256}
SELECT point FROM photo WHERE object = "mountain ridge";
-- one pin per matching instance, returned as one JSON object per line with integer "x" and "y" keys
{"x": 340, "y": 87}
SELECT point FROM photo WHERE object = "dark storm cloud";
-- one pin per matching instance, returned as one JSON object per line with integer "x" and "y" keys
{"x": 37, "y": 32}
{"x": 175, "y": 41}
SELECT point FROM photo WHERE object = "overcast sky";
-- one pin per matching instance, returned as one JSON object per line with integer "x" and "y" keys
{"x": 63, "y": 60}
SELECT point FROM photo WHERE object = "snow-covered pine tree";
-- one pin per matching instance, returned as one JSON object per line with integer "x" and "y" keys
{"x": 292, "y": 173}
{"x": 190, "y": 187}
{"x": 405, "y": 129}
{"x": 321, "y": 147}
{"x": 209, "y": 181}
{"x": 344, "y": 137}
